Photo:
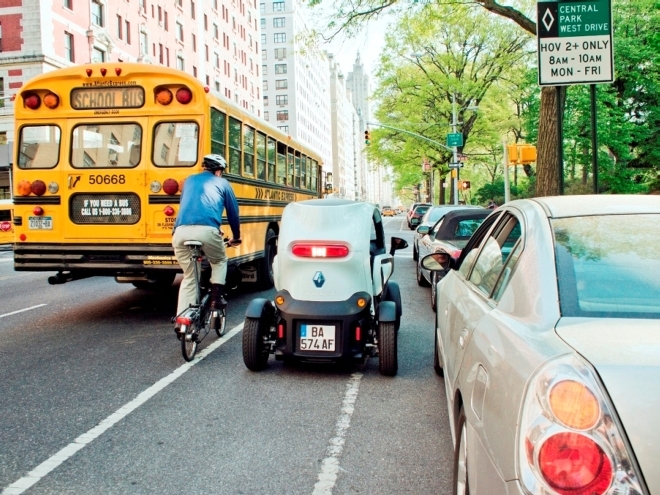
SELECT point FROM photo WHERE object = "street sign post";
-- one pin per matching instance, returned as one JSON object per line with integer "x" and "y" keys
{"x": 455, "y": 165}
{"x": 454, "y": 139}
{"x": 574, "y": 42}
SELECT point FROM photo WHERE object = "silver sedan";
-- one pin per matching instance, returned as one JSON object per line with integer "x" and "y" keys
{"x": 548, "y": 335}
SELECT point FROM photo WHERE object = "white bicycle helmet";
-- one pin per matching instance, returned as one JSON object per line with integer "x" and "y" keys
{"x": 214, "y": 162}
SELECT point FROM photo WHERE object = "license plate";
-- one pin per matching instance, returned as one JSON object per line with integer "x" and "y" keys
{"x": 317, "y": 338}
{"x": 40, "y": 223}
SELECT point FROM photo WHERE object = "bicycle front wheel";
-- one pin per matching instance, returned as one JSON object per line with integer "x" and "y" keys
{"x": 189, "y": 342}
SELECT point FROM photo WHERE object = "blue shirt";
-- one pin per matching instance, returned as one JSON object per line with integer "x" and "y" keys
{"x": 203, "y": 199}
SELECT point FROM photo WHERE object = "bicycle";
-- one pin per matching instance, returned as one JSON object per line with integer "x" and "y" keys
{"x": 197, "y": 320}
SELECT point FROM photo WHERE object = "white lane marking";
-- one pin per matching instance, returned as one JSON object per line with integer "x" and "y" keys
{"x": 330, "y": 465}
{"x": 54, "y": 461}
{"x": 21, "y": 310}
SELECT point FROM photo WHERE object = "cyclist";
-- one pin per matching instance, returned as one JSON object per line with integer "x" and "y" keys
{"x": 205, "y": 195}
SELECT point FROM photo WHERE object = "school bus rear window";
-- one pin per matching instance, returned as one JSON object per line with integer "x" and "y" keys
{"x": 106, "y": 145}
{"x": 39, "y": 146}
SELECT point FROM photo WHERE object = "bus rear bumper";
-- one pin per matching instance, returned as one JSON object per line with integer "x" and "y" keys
{"x": 95, "y": 259}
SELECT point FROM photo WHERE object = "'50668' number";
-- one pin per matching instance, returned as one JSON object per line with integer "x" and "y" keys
{"x": 107, "y": 179}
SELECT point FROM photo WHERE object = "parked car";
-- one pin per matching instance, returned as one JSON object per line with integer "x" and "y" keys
{"x": 416, "y": 214}
{"x": 450, "y": 234}
{"x": 431, "y": 217}
{"x": 335, "y": 301}
{"x": 547, "y": 334}
{"x": 387, "y": 211}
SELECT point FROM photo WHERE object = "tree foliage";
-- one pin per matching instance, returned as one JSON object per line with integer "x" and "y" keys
{"x": 628, "y": 110}
{"x": 431, "y": 58}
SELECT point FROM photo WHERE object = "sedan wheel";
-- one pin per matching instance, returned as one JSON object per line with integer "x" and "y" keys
{"x": 461, "y": 485}
{"x": 415, "y": 253}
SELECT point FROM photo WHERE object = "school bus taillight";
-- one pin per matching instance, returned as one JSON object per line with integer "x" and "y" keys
{"x": 164, "y": 96}
{"x": 51, "y": 100}
{"x": 169, "y": 211}
{"x": 38, "y": 210}
{"x": 183, "y": 96}
{"x": 38, "y": 187}
{"x": 170, "y": 186}
{"x": 24, "y": 187}
{"x": 32, "y": 101}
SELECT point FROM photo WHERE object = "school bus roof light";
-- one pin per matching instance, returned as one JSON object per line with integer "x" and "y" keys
{"x": 164, "y": 96}
{"x": 88, "y": 72}
{"x": 118, "y": 71}
{"x": 170, "y": 186}
{"x": 51, "y": 100}
{"x": 184, "y": 95}
{"x": 32, "y": 101}
{"x": 103, "y": 71}
{"x": 38, "y": 187}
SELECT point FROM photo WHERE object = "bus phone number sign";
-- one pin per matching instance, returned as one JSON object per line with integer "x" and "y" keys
{"x": 574, "y": 42}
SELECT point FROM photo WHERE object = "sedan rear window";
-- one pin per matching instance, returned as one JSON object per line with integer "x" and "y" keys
{"x": 608, "y": 266}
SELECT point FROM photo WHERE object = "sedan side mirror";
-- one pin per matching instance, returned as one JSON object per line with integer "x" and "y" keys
{"x": 397, "y": 243}
{"x": 436, "y": 262}
{"x": 423, "y": 229}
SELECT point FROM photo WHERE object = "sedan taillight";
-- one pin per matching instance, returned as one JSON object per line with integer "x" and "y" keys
{"x": 569, "y": 440}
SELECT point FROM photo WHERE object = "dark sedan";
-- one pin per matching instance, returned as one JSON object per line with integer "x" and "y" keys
{"x": 431, "y": 217}
{"x": 451, "y": 233}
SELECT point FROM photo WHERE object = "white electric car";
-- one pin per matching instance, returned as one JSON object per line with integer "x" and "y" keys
{"x": 334, "y": 299}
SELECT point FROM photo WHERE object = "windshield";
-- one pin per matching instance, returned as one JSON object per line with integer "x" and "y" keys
{"x": 435, "y": 214}
{"x": 608, "y": 266}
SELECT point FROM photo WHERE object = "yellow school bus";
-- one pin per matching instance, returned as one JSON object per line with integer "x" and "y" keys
{"x": 6, "y": 225}
{"x": 102, "y": 152}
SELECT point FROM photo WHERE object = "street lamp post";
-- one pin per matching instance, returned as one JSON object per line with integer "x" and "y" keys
{"x": 455, "y": 150}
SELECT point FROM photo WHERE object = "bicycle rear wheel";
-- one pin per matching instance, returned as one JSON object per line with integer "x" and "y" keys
{"x": 189, "y": 341}
{"x": 221, "y": 322}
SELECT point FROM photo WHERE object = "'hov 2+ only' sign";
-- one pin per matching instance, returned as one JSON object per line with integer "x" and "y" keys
{"x": 574, "y": 42}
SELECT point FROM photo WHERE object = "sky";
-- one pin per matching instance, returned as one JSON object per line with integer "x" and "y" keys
{"x": 369, "y": 42}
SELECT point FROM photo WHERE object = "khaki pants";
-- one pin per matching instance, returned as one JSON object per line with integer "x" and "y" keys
{"x": 214, "y": 249}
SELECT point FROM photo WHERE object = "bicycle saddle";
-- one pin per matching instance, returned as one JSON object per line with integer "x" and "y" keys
{"x": 193, "y": 243}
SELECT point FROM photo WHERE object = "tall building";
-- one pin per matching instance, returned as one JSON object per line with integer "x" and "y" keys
{"x": 347, "y": 159}
{"x": 377, "y": 188}
{"x": 357, "y": 83}
{"x": 296, "y": 80}
{"x": 217, "y": 41}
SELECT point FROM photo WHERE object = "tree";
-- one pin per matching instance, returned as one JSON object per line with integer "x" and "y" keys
{"x": 350, "y": 14}
{"x": 430, "y": 59}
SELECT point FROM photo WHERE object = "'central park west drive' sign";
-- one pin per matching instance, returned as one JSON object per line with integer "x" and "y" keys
{"x": 574, "y": 42}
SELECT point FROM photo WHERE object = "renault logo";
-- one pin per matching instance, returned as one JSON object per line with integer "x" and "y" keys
{"x": 319, "y": 279}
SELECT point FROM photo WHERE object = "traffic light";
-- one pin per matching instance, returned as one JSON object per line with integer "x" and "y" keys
{"x": 465, "y": 184}
{"x": 521, "y": 154}
{"x": 367, "y": 137}
{"x": 512, "y": 150}
{"x": 527, "y": 154}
